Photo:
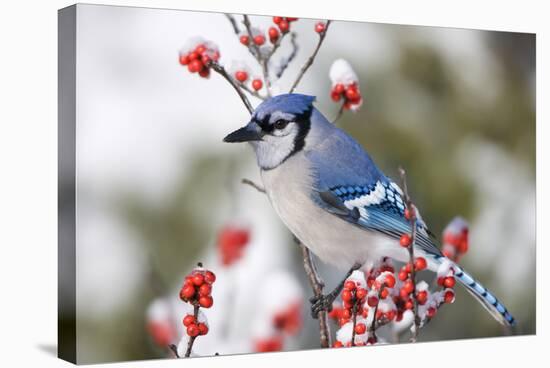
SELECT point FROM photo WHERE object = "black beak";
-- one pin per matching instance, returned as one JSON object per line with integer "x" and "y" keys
{"x": 244, "y": 134}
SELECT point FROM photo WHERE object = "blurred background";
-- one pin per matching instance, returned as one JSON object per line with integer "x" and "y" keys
{"x": 158, "y": 191}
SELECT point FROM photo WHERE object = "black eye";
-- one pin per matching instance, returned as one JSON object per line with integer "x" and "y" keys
{"x": 280, "y": 124}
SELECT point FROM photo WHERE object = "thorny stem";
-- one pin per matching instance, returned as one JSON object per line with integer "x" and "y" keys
{"x": 412, "y": 211}
{"x": 192, "y": 338}
{"x": 317, "y": 285}
{"x": 221, "y": 70}
{"x": 311, "y": 59}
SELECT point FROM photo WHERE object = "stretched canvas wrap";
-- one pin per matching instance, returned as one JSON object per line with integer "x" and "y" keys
{"x": 235, "y": 184}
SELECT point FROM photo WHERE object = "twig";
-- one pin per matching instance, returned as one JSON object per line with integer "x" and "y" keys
{"x": 412, "y": 214}
{"x": 253, "y": 185}
{"x": 354, "y": 316}
{"x": 317, "y": 285}
{"x": 174, "y": 349}
{"x": 340, "y": 112}
{"x": 221, "y": 70}
{"x": 258, "y": 55}
{"x": 233, "y": 23}
{"x": 285, "y": 62}
{"x": 311, "y": 59}
{"x": 192, "y": 338}
{"x": 252, "y": 92}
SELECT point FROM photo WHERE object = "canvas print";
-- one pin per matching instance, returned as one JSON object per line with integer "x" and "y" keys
{"x": 234, "y": 184}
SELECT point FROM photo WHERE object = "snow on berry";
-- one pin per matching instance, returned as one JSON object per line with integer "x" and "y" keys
{"x": 345, "y": 333}
{"x": 455, "y": 239}
{"x": 239, "y": 71}
{"x": 197, "y": 54}
{"x": 345, "y": 85}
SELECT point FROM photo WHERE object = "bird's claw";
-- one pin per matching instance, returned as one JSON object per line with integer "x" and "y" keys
{"x": 321, "y": 303}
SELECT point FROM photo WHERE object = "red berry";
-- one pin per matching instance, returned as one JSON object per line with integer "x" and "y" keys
{"x": 347, "y": 295}
{"x": 277, "y": 20}
{"x": 320, "y": 27}
{"x": 273, "y": 34}
{"x": 405, "y": 240}
{"x": 192, "y": 330}
{"x": 244, "y": 39}
{"x": 206, "y": 301}
{"x": 440, "y": 281}
{"x": 346, "y": 313}
{"x": 384, "y": 293}
{"x": 205, "y": 290}
{"x": 339, "y": 88}
{"x": 449, "y": 282}
{"x": 200, "y": 49}
{"x": 372, "y": 301}
{"x": 449, "y": 296}
{"x": 407, "y": 214}
{"x": 259, "y": 39}
{"x": 420, "y": 263}
{"x": 422, "y": 297}
{"x": 349, "y": 285}
{"x": 352, "y": 94}
{"x": 390, "y": 315}
{"x": 205, "y": 59}
{"x": 187, "y": 292}
{"x": 198, "y": 279}
{"x": 257, "y": 84}
{"x": 360, "y": 293}
{"x": 284, "y": 26}
{"x": 390, "y": 280}
{"x": 205, "y": 73}
{"x": 193, "y": 56}
{"x": 203, "y": 329}
{"x": 403, "y": 275}
{"x": 195, "y": 66}
{"x": 188, "y": 319}
{"x": 408, "y": 268}
{"x": 184, "y": 59}
{"x": 372, "y": 340}
{"x": 335, "y": 96}
{"x": 289, "y": 19}
{"x": 209, "y": 277}
{"x": 409, "y": 304}
{"x": 338, "y": 344}
{"x": 347, "y": 304}
{"x": 360, "y": 328}
{"x": 408, "y": 286}
{"x": 241, "y": 76}
{"x": 431, "y": 312}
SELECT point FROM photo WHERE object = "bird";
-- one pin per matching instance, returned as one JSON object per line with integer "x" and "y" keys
{"x": 330, "y": 194}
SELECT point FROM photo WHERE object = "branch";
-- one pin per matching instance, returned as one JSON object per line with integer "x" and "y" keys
{"x": 258, "y": 55}
{"x": 192, "y": 338}
{"x": 317, "y": 285}
{"x": 174, "y": 349}
{"x": 233, "y": 23}
{"x": 285, "y": 62}
{"x": 311, "y": 59}
{"x": 221, "y": 70}
{"x": 412, "y": 218}
{"x": 340, "y": 112}
{"x": 252, "y": 92}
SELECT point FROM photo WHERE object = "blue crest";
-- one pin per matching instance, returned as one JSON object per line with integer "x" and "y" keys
{"x": 292, "y": 103}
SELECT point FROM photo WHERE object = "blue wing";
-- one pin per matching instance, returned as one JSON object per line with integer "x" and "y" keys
{"x": 349, "y": 185}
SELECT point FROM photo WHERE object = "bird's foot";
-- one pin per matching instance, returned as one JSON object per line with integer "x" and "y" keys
{"x": 321, "y": 303}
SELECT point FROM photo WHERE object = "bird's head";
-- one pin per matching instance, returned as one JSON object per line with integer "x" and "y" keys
{"x": 278, "y": 128}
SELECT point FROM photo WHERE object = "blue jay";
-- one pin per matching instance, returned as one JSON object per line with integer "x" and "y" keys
{"x": 330, "y": 194}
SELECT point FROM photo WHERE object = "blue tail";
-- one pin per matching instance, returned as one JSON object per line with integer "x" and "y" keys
{"x": 485, "y": 297}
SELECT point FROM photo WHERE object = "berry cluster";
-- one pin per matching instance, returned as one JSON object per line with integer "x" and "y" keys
{"x": 197, "y": 288}
{"x": 455, "y": 239}
{"x": 195, "y": 326}
{"x": 232, "y": 240}
{"x": 198, "y": 55}
{"x": 350, "y": 95}
{"x": 283, "y": 23}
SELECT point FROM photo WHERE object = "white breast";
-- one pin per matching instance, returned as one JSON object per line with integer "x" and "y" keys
{"x": 332, "y": 239}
